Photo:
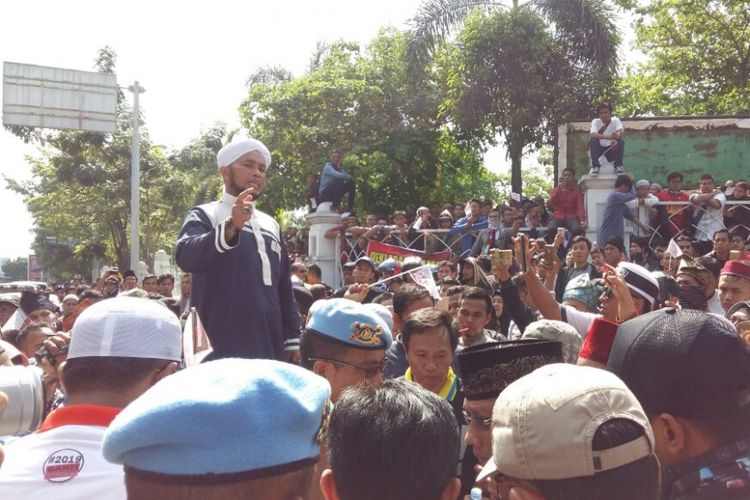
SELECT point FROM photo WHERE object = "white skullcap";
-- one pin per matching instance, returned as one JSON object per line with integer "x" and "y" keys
{"x": 127, "y": 327}
{"x": 383, "y": 312}
{"x": 232, "y": 151}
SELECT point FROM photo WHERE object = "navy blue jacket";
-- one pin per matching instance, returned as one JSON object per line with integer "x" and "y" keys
{"x": 242, "y": 290}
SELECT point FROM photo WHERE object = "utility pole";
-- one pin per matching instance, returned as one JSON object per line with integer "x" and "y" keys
{"x": 135, "y": 180}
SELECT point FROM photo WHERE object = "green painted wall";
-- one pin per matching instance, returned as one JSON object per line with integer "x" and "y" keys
{"x": 654, "y": 151}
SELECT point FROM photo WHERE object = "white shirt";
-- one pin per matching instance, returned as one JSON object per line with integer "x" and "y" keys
{"x": 644, "y": 212}
{"x": 712, "y": 219}
{"x": 615, "y": 125}
{"x": 64, "y": 461}
{"x": 581, "y": 321}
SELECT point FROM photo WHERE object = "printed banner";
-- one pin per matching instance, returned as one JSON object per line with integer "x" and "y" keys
{"x": 34, "y": 269}
{"x": 379, "y": 252}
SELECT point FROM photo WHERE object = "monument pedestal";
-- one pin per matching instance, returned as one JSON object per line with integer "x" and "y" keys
{"x": 322, "y": 250}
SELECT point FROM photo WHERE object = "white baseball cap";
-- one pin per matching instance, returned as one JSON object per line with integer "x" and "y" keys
{"x": 126, "y": 327}
{"x": 543, "y": 424}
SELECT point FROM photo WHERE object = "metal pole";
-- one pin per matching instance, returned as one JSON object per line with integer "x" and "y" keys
{"x": 135, "y": 180}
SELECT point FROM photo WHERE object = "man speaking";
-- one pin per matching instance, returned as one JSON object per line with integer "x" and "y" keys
{"x": 241, "y": 275}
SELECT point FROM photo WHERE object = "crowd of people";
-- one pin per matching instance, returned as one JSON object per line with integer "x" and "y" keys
{"x": 533, "y": 364}
{"x": 655, "y": 216}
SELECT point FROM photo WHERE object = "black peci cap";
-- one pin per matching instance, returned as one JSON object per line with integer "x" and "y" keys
{"x": 487, "y": 369}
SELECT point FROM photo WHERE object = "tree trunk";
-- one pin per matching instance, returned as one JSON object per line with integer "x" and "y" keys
{"x": 515, "y": 169}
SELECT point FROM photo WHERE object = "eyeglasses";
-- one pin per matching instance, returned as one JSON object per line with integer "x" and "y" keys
{"x": 482, "y": 421}
{"x": 368, "y": 371}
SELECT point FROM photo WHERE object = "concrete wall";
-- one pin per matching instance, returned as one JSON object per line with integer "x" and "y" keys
{"x": 656, "y": 146}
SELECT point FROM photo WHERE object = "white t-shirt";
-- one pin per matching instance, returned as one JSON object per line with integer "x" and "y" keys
{"x": 615, "y": 125}
{"x": 581, "y": 321}
{"x": 644, "y": 212}
{"x": 712, "y": 219}
{"x": 61, "y": 463}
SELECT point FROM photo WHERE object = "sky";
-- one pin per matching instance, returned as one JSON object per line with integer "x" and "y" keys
{"x": 192, "y": 58}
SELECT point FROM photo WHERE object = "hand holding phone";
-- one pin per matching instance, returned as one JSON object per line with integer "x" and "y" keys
{"x": 522, "y": 253}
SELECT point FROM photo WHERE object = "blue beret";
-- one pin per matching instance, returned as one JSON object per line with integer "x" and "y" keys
{"x": 223, "y": 417}
{"x": 350, "y": 323}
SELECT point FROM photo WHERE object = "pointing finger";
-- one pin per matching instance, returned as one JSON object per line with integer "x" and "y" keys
{"x": 249, "y": 192}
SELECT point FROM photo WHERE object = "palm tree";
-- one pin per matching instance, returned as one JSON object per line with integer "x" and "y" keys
{"x": 584, "y": 30}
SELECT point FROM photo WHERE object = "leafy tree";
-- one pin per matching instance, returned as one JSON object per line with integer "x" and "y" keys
{"x": 366, "y": 104}
{"x": 538, "y": 182}
{"x": 80, "y": 194}
{"x": 199, "y": 180}
{"x": 519, "y": 69}
{"x": 699, "y": 58}
{"x": 16, "y": 269}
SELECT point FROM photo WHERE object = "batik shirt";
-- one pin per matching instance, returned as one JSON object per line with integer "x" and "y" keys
{"x": 721, "y": 473}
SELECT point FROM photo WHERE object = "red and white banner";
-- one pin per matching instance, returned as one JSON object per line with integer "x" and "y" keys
{"x": 379, "y": 252}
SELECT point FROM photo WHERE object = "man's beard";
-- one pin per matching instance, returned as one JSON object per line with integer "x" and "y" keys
{"x": 233, "y": 188}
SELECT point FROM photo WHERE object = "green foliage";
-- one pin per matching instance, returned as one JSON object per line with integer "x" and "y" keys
{"x": 518, "y": 70}
{"x": 199, "y": 180}
{"x": 510, "y": 75}
{"x": 80, "y": 193}
{"x": 16, "y": 269}
{"x": 699, "y": 59}
{"x": 366, "y": 104}
{"x": 537, "y": 182}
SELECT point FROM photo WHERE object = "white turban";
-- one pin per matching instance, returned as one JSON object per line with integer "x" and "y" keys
{"x": 232, "y": 151}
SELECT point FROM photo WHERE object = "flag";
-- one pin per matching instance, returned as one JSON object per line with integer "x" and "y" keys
{"x": 423, "y": 277}
{"x": 15, "y": 322}
{"x": 195, "y": 343}
{"x": 674, "y": 249}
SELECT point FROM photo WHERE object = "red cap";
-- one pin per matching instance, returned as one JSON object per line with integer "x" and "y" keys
{"x": 739, "y": 268}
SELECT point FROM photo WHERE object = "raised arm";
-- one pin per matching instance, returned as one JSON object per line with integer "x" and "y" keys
{"x": 545, "y": 302}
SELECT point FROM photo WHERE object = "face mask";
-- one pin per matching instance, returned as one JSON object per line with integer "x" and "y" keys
{"x": 494, "y": 223}
{"x": 693, "y": 297}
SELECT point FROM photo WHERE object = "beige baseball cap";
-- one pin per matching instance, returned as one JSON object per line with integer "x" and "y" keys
{"x": 543, "y": 424}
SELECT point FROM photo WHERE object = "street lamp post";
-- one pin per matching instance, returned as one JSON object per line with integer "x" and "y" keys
{"x": 135, "y": 179}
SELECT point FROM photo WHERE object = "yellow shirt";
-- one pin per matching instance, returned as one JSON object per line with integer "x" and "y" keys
{"x": 449, "y": 389}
